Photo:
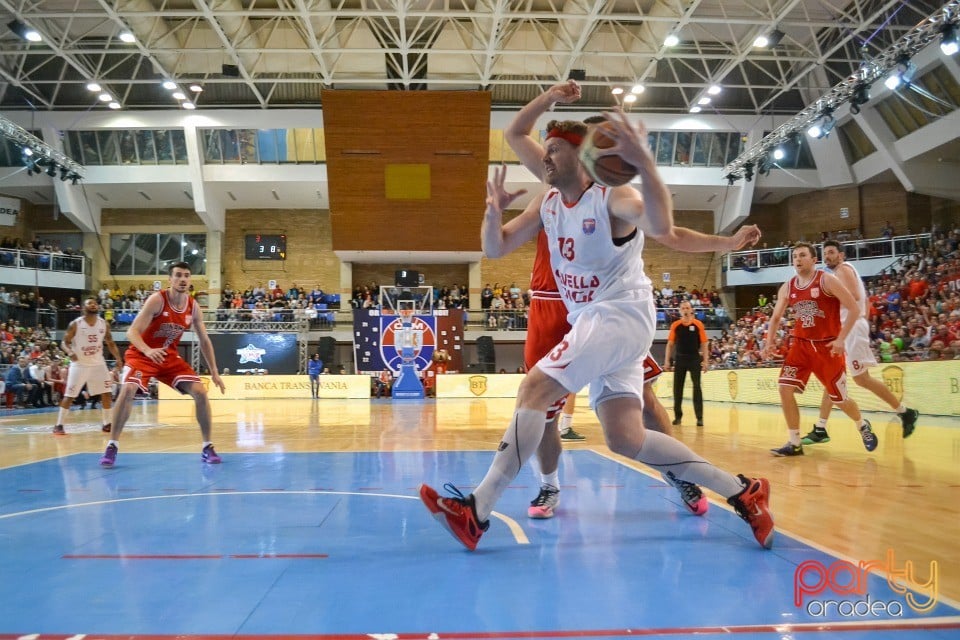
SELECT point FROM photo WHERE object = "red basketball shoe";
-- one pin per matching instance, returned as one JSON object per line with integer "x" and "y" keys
{"x": 751, "y": 505}
{"x": 457, "y": 514}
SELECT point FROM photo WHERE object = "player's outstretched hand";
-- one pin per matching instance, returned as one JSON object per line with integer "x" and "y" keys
{"x": 498, "y": 198}
{"x": 746, "y": 236}
{"x": 631, "y": 141}
{"x": 565, "y": 92}
{"x": 217, "y": 380}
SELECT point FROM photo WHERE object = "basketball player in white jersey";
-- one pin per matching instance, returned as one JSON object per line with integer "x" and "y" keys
{"x": 83, "y": 343}
{"x": 518, "y": 135}
{"x": 595, "y": 236}
{"x": 860, "y": 357}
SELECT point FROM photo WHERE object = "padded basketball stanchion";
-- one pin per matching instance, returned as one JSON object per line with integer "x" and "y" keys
{"x": 407, "y": 385}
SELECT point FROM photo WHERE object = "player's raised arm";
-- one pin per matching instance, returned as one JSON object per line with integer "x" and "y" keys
{"x": 498, "y": 239}
{"x": 518, "y": 132}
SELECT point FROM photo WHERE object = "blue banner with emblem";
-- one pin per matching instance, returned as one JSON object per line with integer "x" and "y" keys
{"x": 376, "y": 339}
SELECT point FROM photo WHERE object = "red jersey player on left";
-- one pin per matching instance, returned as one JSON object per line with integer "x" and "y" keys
{"x": 154, "y": 336}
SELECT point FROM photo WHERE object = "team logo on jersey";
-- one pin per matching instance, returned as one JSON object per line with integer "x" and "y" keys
{"x": 815, "y": 292}
{"x": 251, "y": 353}
{"x": 589, "y": 226}
{"x": 478, "y": 385}
{"x": 421, "y": 339}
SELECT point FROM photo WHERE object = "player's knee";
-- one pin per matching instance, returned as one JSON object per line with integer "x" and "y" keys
{"x": 862, "y": 380}
{"x": 623, "y": 442}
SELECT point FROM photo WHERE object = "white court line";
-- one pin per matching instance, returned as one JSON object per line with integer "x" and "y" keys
{"x": 515, "y": 528}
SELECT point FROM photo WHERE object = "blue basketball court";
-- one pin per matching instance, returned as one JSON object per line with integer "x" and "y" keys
{"x": 338, "y": 545}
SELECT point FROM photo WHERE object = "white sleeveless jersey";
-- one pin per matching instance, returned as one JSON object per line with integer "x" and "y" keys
{"x": 88, "y": 341}
{"x": 587, "y": 265}
{"x": 862, "y": 302}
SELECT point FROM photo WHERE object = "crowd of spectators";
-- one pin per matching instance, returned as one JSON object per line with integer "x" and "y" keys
{"x": 39, "y": 254}
{"x": 34, "y": 367}
{"x": 259, "y": 303}
{"x": 913, "y": 309}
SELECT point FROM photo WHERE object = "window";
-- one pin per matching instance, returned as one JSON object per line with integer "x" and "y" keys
{"x": 152, "y": 253}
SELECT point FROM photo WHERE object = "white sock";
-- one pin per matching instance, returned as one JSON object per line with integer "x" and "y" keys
{"x": 105, "y": 415}
{"x": 207, "y": 444}
{"x": 517, "y": 445}
{"x": 551, "y": 480}
{"x": 114, "y": 443}
{"x": 664, "y": 454}
{"x": 901, "y": 409}
{"x": 565, "y": 423}
{"x": 62, "y": 415}
{"x": 822, "y": 423}
{"x": 794, "y": 436}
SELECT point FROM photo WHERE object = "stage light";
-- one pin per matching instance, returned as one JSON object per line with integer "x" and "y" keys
{"x": 822, "y": 128}
{"x": 671, "y": 40}
{"x": 860, "y": 96}
{"x": 696, "y": 109}
{"x": 714, "y": 89}
{"x": 64, "y": 174}
{"x": 52, "y": 170}
{"x": 764, "y": 164}
{"x": 128, "y": 37}
{"x": 637, "y": 89}
{"x": 169, "y": 85}
{"x": 748, "y": 171}
{"x": 25, "y": 32}
{"x": 948, "y": 39}
{"x": 731, "y": 178}
{"x": 94, "y": 87}
{"x": 903, "y": 74}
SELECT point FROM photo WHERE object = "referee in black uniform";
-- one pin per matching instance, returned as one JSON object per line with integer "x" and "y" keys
{"x": 687, "y": 350}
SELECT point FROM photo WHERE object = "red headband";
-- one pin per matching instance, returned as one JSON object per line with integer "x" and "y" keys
{"x": 573, "y": 138}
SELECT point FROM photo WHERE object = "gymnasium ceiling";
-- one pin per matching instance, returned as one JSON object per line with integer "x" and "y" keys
{"x": 281, "y": 53}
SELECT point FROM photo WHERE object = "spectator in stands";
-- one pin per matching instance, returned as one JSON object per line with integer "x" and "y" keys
{"x": 486, "y": 297}
{"x": 20, "y": 382}
{"x": 38, "y": 371}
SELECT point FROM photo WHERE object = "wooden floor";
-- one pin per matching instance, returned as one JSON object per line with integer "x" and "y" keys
{"x": 903, "y": 497}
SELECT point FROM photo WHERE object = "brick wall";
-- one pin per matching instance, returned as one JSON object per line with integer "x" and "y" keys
{"x": 310, "y": 259}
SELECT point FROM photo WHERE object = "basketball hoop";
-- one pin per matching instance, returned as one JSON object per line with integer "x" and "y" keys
{"x": 405, "y": 314}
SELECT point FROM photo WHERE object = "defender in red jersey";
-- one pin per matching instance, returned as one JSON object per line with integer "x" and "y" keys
{"x": 154, "y": 337}
{"x": 814, "y": 298}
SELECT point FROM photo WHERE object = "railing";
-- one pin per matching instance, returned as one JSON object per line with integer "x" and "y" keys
{"x": 755, "y": 259}
{"x": 42, "y": 260}
{"x": 328, "y": 320}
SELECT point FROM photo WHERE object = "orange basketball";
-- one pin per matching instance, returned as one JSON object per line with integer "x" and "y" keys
{"x": 611, "y": 171}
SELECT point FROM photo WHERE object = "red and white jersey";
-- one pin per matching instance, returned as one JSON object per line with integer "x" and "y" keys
{"x": 542, "y": 282}
{"x": 167, "y": 327}
{"x": 816, "y": 313}
{"x": 87, "y": 345}
{"x": 588, "y": 267}
{"x": 861, "y": 301}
